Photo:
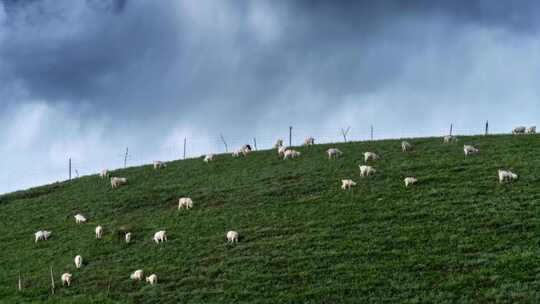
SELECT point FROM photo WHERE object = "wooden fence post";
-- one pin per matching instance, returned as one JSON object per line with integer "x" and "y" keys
{"x": 224, "y": 142}
{"x": 185, "y": 147}
{"x": 20, "y": 283}
{"x": 52, "y": 281}
{"x": 125, "y": 157}
{"x": 290, "y": 136}
{"x": 371, "y": 132}
{"x": 487, "y": 127}
{"x": 69, "y": 166}
{"x": 255, "y": 143}
{"x": 451, "y": 125}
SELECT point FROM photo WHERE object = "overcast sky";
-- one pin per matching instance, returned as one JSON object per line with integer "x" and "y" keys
{"x": 88, "y": 78}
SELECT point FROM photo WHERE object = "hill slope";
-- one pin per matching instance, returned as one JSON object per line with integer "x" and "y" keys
{"x": 456, "y": 236}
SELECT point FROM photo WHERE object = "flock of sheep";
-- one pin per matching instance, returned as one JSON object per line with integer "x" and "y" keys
{"x": 286, "y": 153}
{"x": 159, "y": 237}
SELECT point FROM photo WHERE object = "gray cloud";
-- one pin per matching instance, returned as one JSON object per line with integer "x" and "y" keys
{"x": 147, "y": 73}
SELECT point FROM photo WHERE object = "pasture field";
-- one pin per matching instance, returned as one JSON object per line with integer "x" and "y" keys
{"x": 458, "y": 236}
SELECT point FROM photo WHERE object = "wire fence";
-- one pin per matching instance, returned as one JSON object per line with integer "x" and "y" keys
{"x": 13, "y": 180}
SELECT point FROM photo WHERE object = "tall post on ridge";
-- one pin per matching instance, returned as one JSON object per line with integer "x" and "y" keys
{"x": 224, "y": 142}
{"x": 69, "y": 161}
{"x": 185, "y": 147}
{"x": 487, "y": 127}
{"x": 255, "y": 143}
{"x": 125, "y": 157}
{"x": 290, "y": 136}
{"x": 451, "y": 125}
{"x": 371, "y": 132}
{"x": 344, "y": 133}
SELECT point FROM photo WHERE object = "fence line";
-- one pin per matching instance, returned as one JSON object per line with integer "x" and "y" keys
{"x": 196, "y": 147}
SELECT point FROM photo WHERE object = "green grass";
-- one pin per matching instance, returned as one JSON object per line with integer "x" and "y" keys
{"x": 458, "y": 236}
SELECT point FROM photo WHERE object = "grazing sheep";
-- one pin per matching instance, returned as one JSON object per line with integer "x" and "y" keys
{"x": 78, "y": 261}
{"x": 232, "y": 236}
{"x": 519, "y": 130}
{"x": 238, "y": 153}
{"x": 79, "y": 219}
{"x": 468, "y": 149}
{"x": 333, "y": 153}
{"x": 366, "y": 171}
{"x": 185, "y": 202}
{"x": 309, "y": 141}
{"x": 410, "y": 181}
{"x": 160, "y": 236}
{"x": 370, "y": 156}
{"x": 42, "y": 235}
{"x": 159, "y": 164}
{"x": 137, "y": 275}
{"x": 118, "y": 181}
{"x": 531, "y": 130}
{"x": 128, "y": 237}
{"x": 208, "y": 158}
{"x": 99, "y": 232}
{"x": 66, "y": 279}
{"x": 279, "y": 143}
{"x": 152, "y": 279}
{"x": 449, "y": 139}
{"x": 246, "y": 148}
{"x": 406, "y": 146}
{"x": 281, "y": 150}
{"x": 506, "y": 176}
{"x": 104, "y": 173}
{"x": 290, "y": 154}
{"x": 347, "y": 184}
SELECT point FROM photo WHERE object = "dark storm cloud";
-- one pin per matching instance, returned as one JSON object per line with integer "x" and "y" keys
{"x": 119, "y": 55}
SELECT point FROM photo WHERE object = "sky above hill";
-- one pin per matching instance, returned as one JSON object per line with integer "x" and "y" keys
{"x": 87, "y": 78}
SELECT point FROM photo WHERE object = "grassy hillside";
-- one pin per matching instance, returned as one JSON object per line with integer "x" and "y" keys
{"x": 455, "y": 237}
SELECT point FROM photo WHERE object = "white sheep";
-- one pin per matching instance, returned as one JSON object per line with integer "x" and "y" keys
{"x": 185, "y": 202}
{"x": 279, "y": 143}
{"x": 347, "y": 184}
{"x": 309, "y": 141}
{"x": 370, "y": 156}
{"x": 290, "y": 154}
{"x": 366, "y": 171}
{"x": 238, "y": 153}
{"x": 118, "y": 181}
{"x": 468, "y": 149}
{"x": 208, "y": 158}
{"x": 137, "y": 275}
{"x": 246, "y": 148}
{"x": 449, "y": 138}
{"x": 152, "y": 279}
{"x": 531, "y": 130}
{"x": 79, "y": 219}
{"x": 42, "y": 235}
{"x": 506, "y": 176}
{"x": 78, "y": 261}
{"x": 519, "y": 130}
{"x": 160, "y": 236}
{"x": 99, "y": 232}
{"x": 281, "y": 150}
{"x": 333, "y": 153}
{"x": 406, "y": 146}
{"x": 128, "y": 237}
{"x": 410, "y": 181}
{"x": 232, "y": 236}
{"x": 104, "y": 173}
{"x": 66, "y": 279}
{"x": 159, "y": 164}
